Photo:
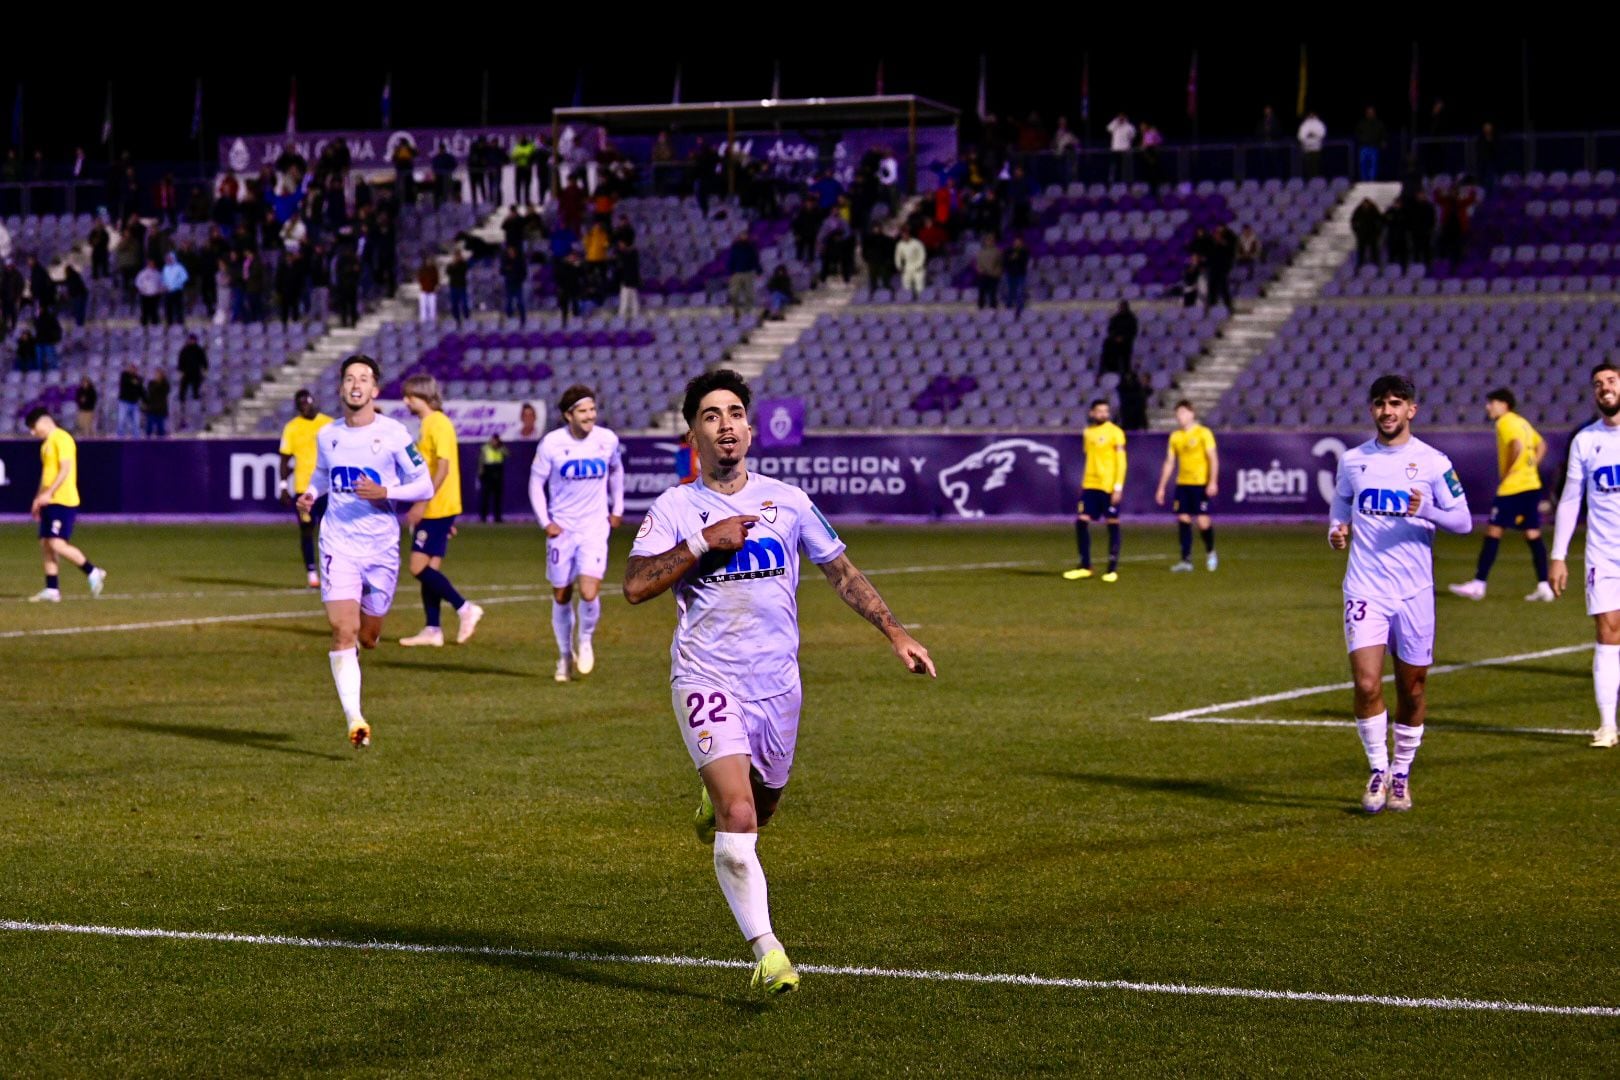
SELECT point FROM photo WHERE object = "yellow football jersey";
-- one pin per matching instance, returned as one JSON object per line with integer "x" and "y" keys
{"x": 438, "y": 443}
{"x": 1105, "y": 457}
{"x": 1519, "y": 474}
{"x": 1192, "y": 449}
{"x": 298, "y": 443}
{"x": 56, "y": 453}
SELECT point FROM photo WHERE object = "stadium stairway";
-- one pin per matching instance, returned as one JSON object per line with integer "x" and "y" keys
{"x": 765, "y": 345}
{"x": 1252, "y": 329}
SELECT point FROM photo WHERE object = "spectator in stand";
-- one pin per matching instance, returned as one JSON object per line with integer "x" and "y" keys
{"x": 384, "y": 251}
{"x": 294, "y": 234}
{"x": 987, "y": 266}
{"x": 1120, "y": 343}
{"x": 48, "y": 335}
{"x": 13, "y": 286}
{"x": 456, "y": 272}
{"x": 1250, "y": 251}
{"x": 1064, "y": 140}
{"x": 1397, "y": 233}
{"x": 779, "y": 290}
{"x": 346, "y": 286}
{"x": 742, "y": 266}
{"x": 838, "y": 251}
{"x": 166, "y": 201}
{"x": 1456, "y": 204}
{"x": 806, "y": 227}
{"x": 1222, "y": 254}
{"x": 1194, "y": 282}
{"x": 78, "y": 294}
{"x": 598, "y": 250}
{"x": 291, "y": 278}
{"x": 131, "y": 393}
{"x": 149, "y": 285}
{"x": 477, "y": 169}
{"x": 1015, "y": 265}
{"x": 193, "y": 363}
{"x": 523, "y": 169}
{"x": 491, "y": 478}
{"x": 705, "y": 173}
{"x": 570, "y": 281}
{"x": 157, "y": 405}
{"x": 85, "y": 399}
{"x": 254, "y": 284}
{"x": 100, "y": 250}
{"x": 495, "y": 162}
{"x": 877, "y": 250}
{"x": 911, "y": 259}
{"x": 514, "y": 274}
{"x": 1152, "y": 139}
{"x": 1370, "y": 139}
{"x": 628, "y": 259}
{"x": 1133, "y": 398}
{"x": 444, "y": 168}
{"x": 174, "y": 290}
{"x": 404, "y": 162}
{"x": 41, "y": 286}
{"x": 1486, "y": 155}
{"x": 1121, "y": 138}
{"x": 1367, "y": 223}
{"x": 1312, "y": 134}
{"x": 571, "y": 202}
{"x": 427, "y": 285}
{"x": 1420, "y": 222}
{"x": 1265, "y": 130}
{"x": 27, "y": 352}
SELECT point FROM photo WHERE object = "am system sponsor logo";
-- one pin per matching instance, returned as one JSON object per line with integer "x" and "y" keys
{"x": 344, "y": 477}
{"x": 1606, "y": 479}
{"x": 583, "y": 469}
{"x": 1379, "y": 502}
{"x": 761, "y": 558}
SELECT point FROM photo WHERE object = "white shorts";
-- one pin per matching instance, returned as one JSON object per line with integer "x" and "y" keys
{"x": 1602, "y": 592}
{"x": 1405, "y": 627}
{"x": 575, "y": 555}
{"x": 344, "y": 577}
{"x": 714, "y": 724}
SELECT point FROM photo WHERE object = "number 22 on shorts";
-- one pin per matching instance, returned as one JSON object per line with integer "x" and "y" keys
{"x": 694, "y": 705}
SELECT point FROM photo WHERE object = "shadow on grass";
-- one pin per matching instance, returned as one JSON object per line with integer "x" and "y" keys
{"x": 1203, "y": 789}
{"x": 604, "y": 973}
{"x": 297, "y": 631}
{"x": 241, "y": 583}
{"x": 373, "y": 661}
{"x": 253, "y": 740}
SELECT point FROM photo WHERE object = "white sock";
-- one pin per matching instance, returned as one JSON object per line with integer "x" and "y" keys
{"x": 1606, "y": 682}
{"x": 346, "y": 673}
{"x": 562, "y": 625}
{"x": 736, "y": 865}
{"x": 1374, "y": 732}
{"x": 1407, "y": 741}
{"x": 764, "y": 944}
{"x": 590, "y": 612}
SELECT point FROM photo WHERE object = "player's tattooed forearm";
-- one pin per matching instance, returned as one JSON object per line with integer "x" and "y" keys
{"x": 655, "y": 573}
{"x": 858, "y": 592}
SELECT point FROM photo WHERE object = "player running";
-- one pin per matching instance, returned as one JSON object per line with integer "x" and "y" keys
{"x": 728, "y": 546}
{"x": 582, "y": 464}
{"x": 297, "y": 465}
{"x": 1588, "y": 475}
{"x": 1102, "y": 487}
{"x": 432, "y": 523}
{"x": 1191, "y": 456}
{"x": 56, "y": 506}
{"x": 364, "y": 465}
{"x": 1390, "y": 494}
{"x": 1519, "y": 449}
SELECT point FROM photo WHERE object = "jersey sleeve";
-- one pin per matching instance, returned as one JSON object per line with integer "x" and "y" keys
{"x": 615, "y": 479}
{"x": 817, "y": 538}
{"x": 1344, "y": 492}
{"x": 320, "y": 480}
{"x": 286, "y": 440}
{"x": 1448, "y": 489}
{"x": 539, "y": 473}
{"x": 660, "y": 530}
{"x": 1569, "y": 504}
{"x": 1207, "y": 441}
{"x": 415, "y": 484}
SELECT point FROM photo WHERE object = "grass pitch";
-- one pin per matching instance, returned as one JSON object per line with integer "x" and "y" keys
{"x": 1021, "y": 815}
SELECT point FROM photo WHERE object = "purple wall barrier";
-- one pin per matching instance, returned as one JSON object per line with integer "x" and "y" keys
{"x": 948, "y": 477}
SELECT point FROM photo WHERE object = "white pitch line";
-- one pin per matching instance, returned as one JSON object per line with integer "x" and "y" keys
{"x": 1311, "y": 691}
{"x": 1463, "y": 728}
{"x": 971, "y": 977}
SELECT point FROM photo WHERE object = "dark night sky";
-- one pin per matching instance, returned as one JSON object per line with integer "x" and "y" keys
{"x": 1480, "y": 80}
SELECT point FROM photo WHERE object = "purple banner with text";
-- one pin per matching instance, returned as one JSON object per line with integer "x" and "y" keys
{"x": 945, "y": 477}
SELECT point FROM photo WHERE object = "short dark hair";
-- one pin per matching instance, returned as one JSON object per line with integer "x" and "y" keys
{"x": 1096, "y": 402}
{"x": 302, "y": 394}
{"x": 573, "y": 396}
{"x": 33, "y": 416}
{"x": 1505, "y": 396}
{"x": 361, "y": 358}
{"x": 1185, "y": 404}
{"x": 708, "y": 382}
{"x": 1605, "y": 366}
{"x": 1398, "y": 385}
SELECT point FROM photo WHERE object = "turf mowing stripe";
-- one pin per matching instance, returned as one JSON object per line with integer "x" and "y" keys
{"x": 1464, "y": 729}
{"x": 1310, "y": 691}
{"x": 971, "y": 977}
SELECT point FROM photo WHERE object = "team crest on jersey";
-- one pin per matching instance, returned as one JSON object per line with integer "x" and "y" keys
{"x": 705, "y": 742}
{"x": 1411, "y": 470}
{"x": 768, "y": 512}
{"x": 376, "y": 446}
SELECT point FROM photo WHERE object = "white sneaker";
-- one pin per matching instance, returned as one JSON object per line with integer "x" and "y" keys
{"x": 1543, "y": 594}
{"x": 98, "y": 579}
{"x": 562, "y": 670}
{"x": 1606, "y": 738}
{"x": 586, "y": 658}
{"x": 1377, "y": 793}
{"x": 429, "y": 635}
{"x": 1400, "y": 792}
{"x": 1182, "y": 567}
{"x": 314, "y": 580}
{"x": 467, "y": 618}
{"x": 1469, "y": 590}
{"x": 46, "y": 596}
{"x": 1213, "y": 563}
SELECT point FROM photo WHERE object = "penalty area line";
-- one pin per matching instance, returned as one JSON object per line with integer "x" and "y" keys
{"x": 1463, "y": 729}
{"x": 910, "y": 974}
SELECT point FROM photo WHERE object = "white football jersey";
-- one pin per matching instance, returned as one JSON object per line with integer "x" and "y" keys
{"x": 585, "y": 478}
{"x": 384, "y": 451}
{"x": 1594, "y": 471}
{"x": 1391, "y": 552}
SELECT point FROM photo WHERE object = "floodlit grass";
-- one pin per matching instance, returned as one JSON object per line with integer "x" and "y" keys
{"x": 1019, "y": 815}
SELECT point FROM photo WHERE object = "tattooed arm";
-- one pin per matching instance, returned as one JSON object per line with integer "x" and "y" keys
{"x": 647, "y": 576}
{"x": 855, "y": 590}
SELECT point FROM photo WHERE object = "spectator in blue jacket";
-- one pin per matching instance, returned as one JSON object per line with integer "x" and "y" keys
{"x": 174, "y": 290}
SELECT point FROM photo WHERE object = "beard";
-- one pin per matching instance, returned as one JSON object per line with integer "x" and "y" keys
{"x": 1609, "y": 410}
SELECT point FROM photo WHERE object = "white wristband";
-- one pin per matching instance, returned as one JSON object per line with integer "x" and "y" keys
{"x": 697, "y": 545}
